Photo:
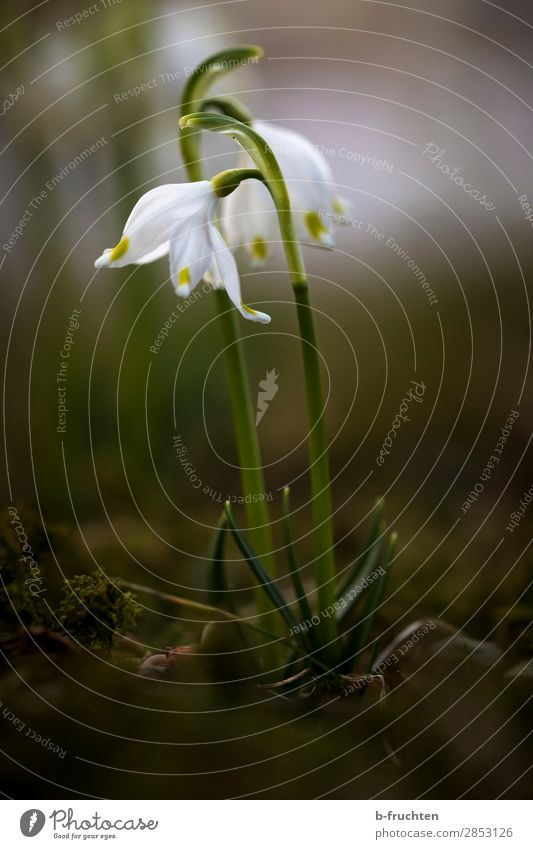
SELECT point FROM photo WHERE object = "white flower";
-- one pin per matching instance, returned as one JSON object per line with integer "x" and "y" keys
{"x": 178, "y": 219}
{"x": 249, "y": 217}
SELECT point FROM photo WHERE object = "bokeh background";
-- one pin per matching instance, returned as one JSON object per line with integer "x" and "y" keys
{"x": 372, "y": 84}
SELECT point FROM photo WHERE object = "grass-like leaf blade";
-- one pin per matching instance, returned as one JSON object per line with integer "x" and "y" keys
{"x": 359, "y": 585}
{"x": 217, "y": 581}
{"x": 260, "y": 573}
{"x": 297, "y": 585}
{"x": 359, "y": 563}
{"x": 357, "y": 638}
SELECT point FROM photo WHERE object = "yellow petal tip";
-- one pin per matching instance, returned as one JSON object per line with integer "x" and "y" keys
{"x": 337, "y": 206}
{"x": 316, "y": 227}
{"x": 248, "y": 310}
{"x": 120, "y": 249}
{"x": 259, "y": 249}
{"x": 184, "y": 278}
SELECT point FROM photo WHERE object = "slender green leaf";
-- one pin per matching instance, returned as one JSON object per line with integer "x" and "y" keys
{"x": 356, "y": 640}
{"x": 260, "y": 573}
{"x": 359, "y": 562}
{"x": 216, "y": 613}
{"x": 298, "y": 587}
{"x": 360, "y": 584}
{"x": 218, "y": 586}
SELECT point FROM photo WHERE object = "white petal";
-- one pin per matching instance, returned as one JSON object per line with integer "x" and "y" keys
{"x": 162, "y": 250}
{"x": 154, "y": 219}
{"x": 103, "y": 259}
{"x": 191, "y": 252}
{"x": 249, "y": 218}
{"x": 305, "y": 169}
{"x": 311, "y": 191}
{"x": 224, "y": 269}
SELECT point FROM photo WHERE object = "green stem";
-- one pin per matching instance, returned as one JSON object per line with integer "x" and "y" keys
{"x": 319, "y": 465}
{"x": 229, "y": 106}
{"x": 246, "y": 435}
{"x": 252, "y": 479}
{"x": 195, "y": 91}
{"x": 264, "y": 159}
{"x": 299, "y": 590}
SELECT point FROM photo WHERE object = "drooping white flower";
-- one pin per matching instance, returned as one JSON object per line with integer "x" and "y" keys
{"x": 249, "y": 217}
{"x": 179, "y": 220}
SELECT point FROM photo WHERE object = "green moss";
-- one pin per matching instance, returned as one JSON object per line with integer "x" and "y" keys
{"x": 95, "y": 611}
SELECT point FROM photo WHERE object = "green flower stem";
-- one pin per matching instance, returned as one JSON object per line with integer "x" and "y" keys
{"x": 227, "y": 181}
{"x": 229, "y": 106}
{"x": 253, "y": 484}
{"x": 319, "y": 463}
{"x": 195, "y": 91}
{"x": 266, "y": 162}
{"x": 252, "y": 479}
